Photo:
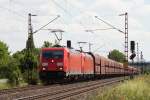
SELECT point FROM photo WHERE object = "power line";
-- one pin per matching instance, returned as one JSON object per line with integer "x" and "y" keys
{"x": 103, "y": 39}
{"x": 67, "y": 12}
{"x": 98, "y": 29}
{"x": 57, "y": 4}
{"x": 46, "y": 24}
{"x": 113, "y": 27}
{"x": 12, "y": 11}
{"x": 99, "y": 47}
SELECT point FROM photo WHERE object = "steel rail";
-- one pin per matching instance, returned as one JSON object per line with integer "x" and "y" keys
{"x": 57, "y": 94}
{"x": 20, "y": 89}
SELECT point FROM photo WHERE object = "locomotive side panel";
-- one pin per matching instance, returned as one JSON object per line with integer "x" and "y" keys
{"x": 88, "y": 65}
{"x": 74, "y": 63}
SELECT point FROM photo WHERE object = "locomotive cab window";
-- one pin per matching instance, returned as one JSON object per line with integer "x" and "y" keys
{"x": 53, "y": 54}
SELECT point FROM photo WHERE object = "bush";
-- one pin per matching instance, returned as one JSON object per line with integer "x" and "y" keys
{"x": 11, "y": 72}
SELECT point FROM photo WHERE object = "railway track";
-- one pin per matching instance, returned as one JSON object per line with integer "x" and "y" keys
{"x": 20, "y": 89}
{"x": 11, "y": 94}
{"x": 71, "y": 90}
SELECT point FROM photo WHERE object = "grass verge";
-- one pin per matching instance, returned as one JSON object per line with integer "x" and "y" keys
{"x": 7, "y": 85}
{"x": 136, "y": 89}
{"x": 4, "y": 86}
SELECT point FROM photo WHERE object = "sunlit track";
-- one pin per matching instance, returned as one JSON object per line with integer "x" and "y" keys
{"x": 71, "y": 90}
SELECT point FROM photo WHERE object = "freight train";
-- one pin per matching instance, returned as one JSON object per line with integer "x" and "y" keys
{"x": 59, "y": 63}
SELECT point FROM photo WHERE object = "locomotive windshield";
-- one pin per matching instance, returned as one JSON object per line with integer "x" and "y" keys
{"x": 53, "y": 54}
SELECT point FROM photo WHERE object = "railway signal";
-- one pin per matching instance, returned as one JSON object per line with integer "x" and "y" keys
{"x": 132, "y": 56}
{"x": 132, "y": 46}
{"x": 69, "y": 43}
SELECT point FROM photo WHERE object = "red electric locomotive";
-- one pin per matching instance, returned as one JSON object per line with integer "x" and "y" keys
{"x": 59, "y": 63}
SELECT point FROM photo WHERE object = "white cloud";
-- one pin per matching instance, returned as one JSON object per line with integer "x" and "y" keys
{"x": 76, "y": 16}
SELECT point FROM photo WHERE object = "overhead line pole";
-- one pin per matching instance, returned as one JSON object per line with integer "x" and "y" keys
{"x": 125, "y": 32}
{"x": 29, "y": 46}
{"x": 137, "y": 52}
{"x": 126, "y": 36}
{"x": 30, "y": 42}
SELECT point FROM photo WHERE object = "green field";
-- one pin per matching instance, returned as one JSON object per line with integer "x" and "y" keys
{"x": 136, "y": 89}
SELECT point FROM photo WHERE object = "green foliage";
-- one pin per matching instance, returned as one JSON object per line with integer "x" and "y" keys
{"x": 15, "y": 74}
{"x": 137, "y": 89}
{"x": 47, "y": 44}
{"x": 19, "y": 56}
{"x": 22, "y": 65}
{"x": 11, "y": 72}
{"x": 30, "y": 42}
{"x": 9, "y": 68}
{"x": 116, "y": 55}
{"x": 30, "y": 64}
{"x": 4, "y": 54}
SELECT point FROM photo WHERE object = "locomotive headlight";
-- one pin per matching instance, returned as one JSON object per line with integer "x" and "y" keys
{"x": 43, "y": 68}
{"x": 44, "y": 64}
{"x": 59, "y": 64}
{"x": 60, "y": 68}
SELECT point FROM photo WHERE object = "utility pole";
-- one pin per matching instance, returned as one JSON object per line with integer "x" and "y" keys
{"x": 30, "y": 42}
{"x": 141, "y": 56}
{"x": 137, "y": 52}
{"x": 126, "y": 35}
{"x": 124, "y": 32}
{"x": 142, "y": 62}
{"x": 29, "y": 46}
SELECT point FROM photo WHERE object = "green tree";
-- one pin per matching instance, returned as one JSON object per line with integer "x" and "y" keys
{"x": 8, "y": 65}
{"x": 117, "y": 56}
{"x": 15, "y": 74}
{"x": 19, "y": 56}
{"x": 30, "y": 65}
{"x": 4, "y": 60}
{"x": 28, "y": 62}
{"x": 4, "y": 54}
{"x": 47, "y": 44}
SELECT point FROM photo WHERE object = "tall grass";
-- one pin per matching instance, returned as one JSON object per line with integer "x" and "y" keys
{"x": 4, "y": 86}
{"x": 136, "y": 89}
{"x": 9, "y": 86}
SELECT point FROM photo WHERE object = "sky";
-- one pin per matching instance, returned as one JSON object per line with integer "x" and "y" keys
{"x": 76, "y": 16}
